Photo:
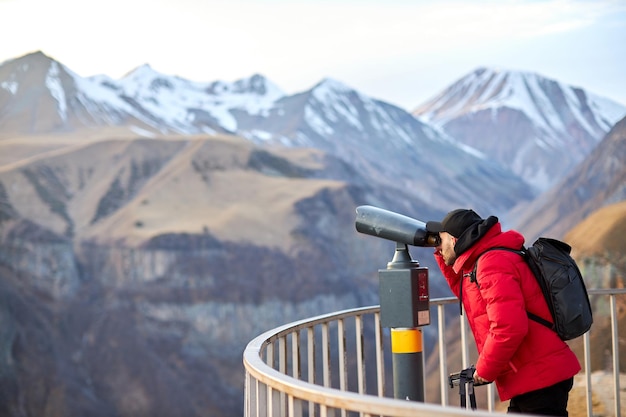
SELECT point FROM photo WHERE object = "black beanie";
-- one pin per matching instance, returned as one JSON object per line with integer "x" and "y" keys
{"x": 456, "y": 222}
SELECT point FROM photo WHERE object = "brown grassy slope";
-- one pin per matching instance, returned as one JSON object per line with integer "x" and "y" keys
{"x": 599, "y": 246}
{"x": 136, "y": 188}
{"x": 602, "y": 233}
{"x": 209, "y": 185}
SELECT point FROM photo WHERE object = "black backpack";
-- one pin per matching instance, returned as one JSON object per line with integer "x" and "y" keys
{"x": 562, "y": 285}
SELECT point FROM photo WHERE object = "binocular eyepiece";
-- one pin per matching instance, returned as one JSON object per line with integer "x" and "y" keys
{"x": 393, "y": 226}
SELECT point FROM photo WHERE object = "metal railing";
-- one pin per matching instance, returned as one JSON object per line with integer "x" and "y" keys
{"x": 334, "y": 365}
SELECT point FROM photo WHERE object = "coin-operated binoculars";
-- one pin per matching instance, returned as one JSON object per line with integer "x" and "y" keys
{"x": 404, "y": 297}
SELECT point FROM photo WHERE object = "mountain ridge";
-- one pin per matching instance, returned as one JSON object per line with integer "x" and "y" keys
{"x": 330, "y": 117}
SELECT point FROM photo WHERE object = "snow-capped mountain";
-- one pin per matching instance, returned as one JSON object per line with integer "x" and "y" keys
{"x": 399, "y": 151}
{"x": 191, "y": 107}
{"x": 144, "y": 99}
{"x": 394, "y": 148}
{"x": 491, "y": 140}
{"x": 539, "y": 127}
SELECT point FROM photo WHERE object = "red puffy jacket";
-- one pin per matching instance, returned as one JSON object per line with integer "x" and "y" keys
{"x": 519, "y": 354}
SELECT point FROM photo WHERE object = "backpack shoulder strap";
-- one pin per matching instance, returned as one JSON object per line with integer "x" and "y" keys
{"x": 472, "y": 275}
{"x": 521, "y": 252}
{"x": 540, "y": 320}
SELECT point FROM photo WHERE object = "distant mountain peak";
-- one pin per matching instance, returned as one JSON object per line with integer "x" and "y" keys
{"x": 481, "y": 89}
{"x": 36, "y": 59}
{"x": 143, "y": 71}
{"x": 331, "y": 91}
{"x": 38, "y": 55}
{"x": 256, "y": 84}
{"x": 537, "y": 96}
{"x": 550, "y": 119}
{"x": 332, "y": 84}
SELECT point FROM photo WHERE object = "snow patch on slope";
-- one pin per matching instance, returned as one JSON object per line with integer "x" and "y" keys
{"x": 53, "y": 82}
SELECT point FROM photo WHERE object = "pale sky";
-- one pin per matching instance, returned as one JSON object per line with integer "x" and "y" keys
{"x": 399, "y": 51}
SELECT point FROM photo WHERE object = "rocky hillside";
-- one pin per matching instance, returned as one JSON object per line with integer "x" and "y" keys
{"x": 597, "y": 182}
{"x": 136, "y": 270}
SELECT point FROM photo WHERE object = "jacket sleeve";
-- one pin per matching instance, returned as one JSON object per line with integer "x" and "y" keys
{"x": 500, "y": 287}
{"x": 451, "y": 277}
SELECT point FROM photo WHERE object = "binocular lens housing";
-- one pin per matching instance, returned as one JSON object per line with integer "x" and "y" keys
{"x": 393, "y": 226}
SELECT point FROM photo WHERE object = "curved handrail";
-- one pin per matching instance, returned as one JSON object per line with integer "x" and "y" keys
{"x": 368, "y": 405}
{"x": 332, "y": 397}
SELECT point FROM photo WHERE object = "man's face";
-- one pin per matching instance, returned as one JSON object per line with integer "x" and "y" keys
{"x": 447, "y": 247}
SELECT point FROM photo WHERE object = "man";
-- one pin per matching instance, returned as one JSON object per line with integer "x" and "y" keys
{"x": 531, "y": 366}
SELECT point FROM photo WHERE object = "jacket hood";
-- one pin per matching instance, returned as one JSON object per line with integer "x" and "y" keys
{"x": 474, "y": 233}
{"x": 493, "y": 236}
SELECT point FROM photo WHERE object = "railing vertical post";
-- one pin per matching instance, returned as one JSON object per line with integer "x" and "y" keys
{"x": 404, "y": 305}
{"x": 464, "y": 342}
{"x": 310, "y": 350}
{"x": 269, "y": 359}
{"x": 380, "y": 363}
{"x": 615, "y": 338}
{"x": 247, "y": 400}
{"x": 587, "y": 352}
{"x": 360, "y": 354}
{"x": 443, "y": 357}
{"x": 296, "y": 371}
{"x": 343, "y": 356}
{"x": 282, "y": 367}
{"x": 325, "y": 355}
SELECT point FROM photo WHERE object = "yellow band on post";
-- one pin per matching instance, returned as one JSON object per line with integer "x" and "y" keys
{"x": 406, "y": 340}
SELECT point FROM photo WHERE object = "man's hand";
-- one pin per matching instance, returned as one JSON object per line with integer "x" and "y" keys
{"x": 480, "y": 380}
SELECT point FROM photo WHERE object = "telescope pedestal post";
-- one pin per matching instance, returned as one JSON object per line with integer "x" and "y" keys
{"x": 404, "y": 306}
{"x": 408, "y": 364}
